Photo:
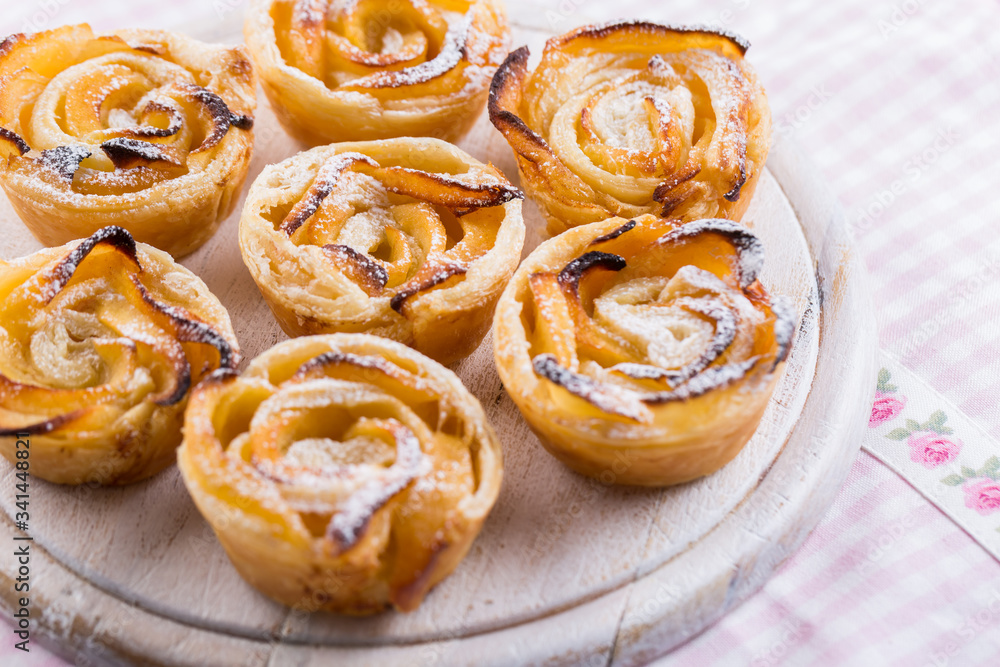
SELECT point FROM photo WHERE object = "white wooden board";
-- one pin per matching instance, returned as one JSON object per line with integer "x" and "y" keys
{"x": 566, "y": 570}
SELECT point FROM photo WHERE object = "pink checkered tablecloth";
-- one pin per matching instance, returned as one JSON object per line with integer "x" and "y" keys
{"x": 896, "y": 102}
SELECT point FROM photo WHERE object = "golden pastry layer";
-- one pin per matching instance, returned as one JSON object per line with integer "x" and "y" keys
{"x": 631, "y": 118}
{"x": 346, "y": 473}
{"x": 349, "y": 70}
{"x": 643, "y": 351}
{"x": 143, "y": 129}
{"x": 410, "y": 239}
{"x": 100, "y": 343}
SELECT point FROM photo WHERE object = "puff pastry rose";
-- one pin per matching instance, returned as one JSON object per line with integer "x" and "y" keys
{"x": 350, "y": 70}
{"x": 143, "y": 129}
{"x": 346, "y": 473}
{"x": 411, "y": 239}
{"x": 643, "y": 351}
{"x": 631, "y": 118}
{"x": 100, "y": 343}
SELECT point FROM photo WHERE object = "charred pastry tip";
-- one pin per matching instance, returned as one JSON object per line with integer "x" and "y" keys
{"x": 329, "y": 359}
{"x": 180, "y": 390}
{"x": 601, "y": 30}
{"x": 220, "y": 376}
{"x": 612, "y": 235}
{"x": 10, "y": 41}
{"x": 371, "y": 276}
{"x": 512, "y": 71}
{"x": 548, "y": 367}
{"x": 663, "y": 190}
{"x": 515, "y": 60}
{"x": 241, "y": 121}
{"x": 15, "y": 139}
{"x": 716, "y": 377}
{"x": 513, "y": 68}
{"x": 152, "y": 49}
{"x": 222, "y": 117}
{"x": 444, "y": 273}
{"x": 64, "y": 160}
{"x": 748, "y": 246}
{"x": 40, "y": 428}
{"x": 323, "y": 183}
{"x": 785, "y": 321}
{"x": 572, "y": 273}
{"x": 348, "y": 526}
{"x": 62, "y": 272}
{"x": 734, "y": 194}
{"x": 126, "y": 153}
{"x": 190, "y": 330}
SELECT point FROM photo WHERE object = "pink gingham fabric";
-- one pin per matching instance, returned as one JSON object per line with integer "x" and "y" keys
{"x": 898, "y": 103}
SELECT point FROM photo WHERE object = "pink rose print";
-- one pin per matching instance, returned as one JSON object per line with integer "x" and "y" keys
{"x": 932, "y": 449}
{"x": 982, "y": 495}
{"x": 886, "y": 407}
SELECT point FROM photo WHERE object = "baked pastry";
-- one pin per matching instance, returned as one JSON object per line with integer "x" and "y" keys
{"x": 643, "y": 351}
{"x": 631, "y": 118}
{"x": 357, "y": 70}
{"x": 100, "y": 343}
{"x": 411, "y": 239}
{"x": 143, "y": 129}
{"x": 344, "y": 473}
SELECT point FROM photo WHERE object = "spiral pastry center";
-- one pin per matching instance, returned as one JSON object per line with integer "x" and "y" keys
{"x": 370, "y": 45}
{"x": 396, "y": 231}
{"x": 631, "y": 323}
{"x": 343, "y": 437}
{"x": 331, "y": 466}
{"x": 100, "y": 116}
{"x": 633, "y": 118}
{"x": 87, "y": 335}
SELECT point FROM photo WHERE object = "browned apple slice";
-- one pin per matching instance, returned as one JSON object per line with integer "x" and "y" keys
{"x": 128, "y": 153}
{"x": 723, "y": 247}
{"x": 535, "y": 155}
{"x": 592, "y": 341}
{"x": 390, "y": 377}
{"x": 322, "y": 185}
{"x": 63, "y": 161}
{"x": 214, "y": 112}
{"x": 362, "y": 270}
{"x": 628, "y": 36}
{"x": 429, "y": 276}
{"x": 609, "y": 399}
{"x": 555, "y": 331}
{"x": 12, "y": 144}
{"x": 449, "y": 60}
{"x": 348, "y": 524}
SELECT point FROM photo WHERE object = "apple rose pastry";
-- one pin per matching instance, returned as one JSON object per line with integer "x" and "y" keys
{"x": 643, "y": 352}
{"x": 100, "y": 343}
{"x": 631, "y": 118}
{"x": 346, "y": 472}
{"x": 410, "y": 239}
{"x": 143, "y": 129}
{"x": 350, "y": 70}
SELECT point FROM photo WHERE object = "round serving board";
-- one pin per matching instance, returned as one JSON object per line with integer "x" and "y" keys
{"x": 567, "y": 570}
